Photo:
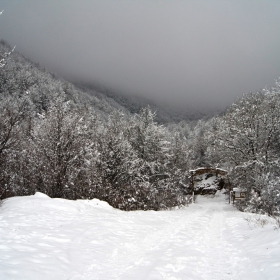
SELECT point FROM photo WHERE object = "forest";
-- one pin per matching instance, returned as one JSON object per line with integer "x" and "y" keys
{"x": 68, "y": 143}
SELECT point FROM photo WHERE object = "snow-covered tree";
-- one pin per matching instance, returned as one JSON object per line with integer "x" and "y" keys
{"x": 59, "y": 144}
{"x": 14, "y": 117}
{"x": 248, "y": 141}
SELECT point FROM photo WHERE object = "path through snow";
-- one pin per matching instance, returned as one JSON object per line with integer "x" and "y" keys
{"x": 43, "y": 238}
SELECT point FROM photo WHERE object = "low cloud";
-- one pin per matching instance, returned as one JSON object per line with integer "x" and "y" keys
{"x": 199, "y": 54}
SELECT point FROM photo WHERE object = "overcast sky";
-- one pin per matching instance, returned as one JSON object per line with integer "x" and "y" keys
{"x": 189, "y": 53}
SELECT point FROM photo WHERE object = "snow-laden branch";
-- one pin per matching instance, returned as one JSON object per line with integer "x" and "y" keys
{"x": 5, "y": 56}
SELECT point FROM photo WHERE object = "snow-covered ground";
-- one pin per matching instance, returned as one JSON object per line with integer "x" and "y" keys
{"x": 43, "y": 238}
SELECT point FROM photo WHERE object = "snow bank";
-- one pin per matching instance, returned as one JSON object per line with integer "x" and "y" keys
{"x": 97, "y": 203}
{"x": 41, "y": 195}
{"x": 44, "y": 238}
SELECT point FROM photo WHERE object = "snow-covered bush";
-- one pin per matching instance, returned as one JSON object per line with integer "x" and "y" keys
{"x": 134, "y": 165}
{"x": 267, "y": 201}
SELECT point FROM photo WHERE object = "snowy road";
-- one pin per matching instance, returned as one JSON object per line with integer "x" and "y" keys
{"x": 43, "y": 238}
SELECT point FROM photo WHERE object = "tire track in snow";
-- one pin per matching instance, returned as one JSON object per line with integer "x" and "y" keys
{"x": 181, "y": 244}
{"x": 221, "y": 259}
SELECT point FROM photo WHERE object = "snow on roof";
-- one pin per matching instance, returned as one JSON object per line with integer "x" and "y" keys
{"x": 209, "y": 170}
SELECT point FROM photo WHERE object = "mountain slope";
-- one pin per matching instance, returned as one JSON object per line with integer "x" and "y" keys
{"x": 21, "y": 76}
{"x": 134, "y": 103}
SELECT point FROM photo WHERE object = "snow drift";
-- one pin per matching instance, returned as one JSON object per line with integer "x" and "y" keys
{"x": 44, "y": 238}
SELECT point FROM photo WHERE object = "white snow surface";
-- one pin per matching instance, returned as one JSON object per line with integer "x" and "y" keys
{"x": 43, "y": 238}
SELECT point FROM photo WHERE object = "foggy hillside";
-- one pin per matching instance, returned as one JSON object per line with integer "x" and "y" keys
{"x": 21, "y": 76}
{"x": 165, "y": 113}
{"x": 26, "y": 75}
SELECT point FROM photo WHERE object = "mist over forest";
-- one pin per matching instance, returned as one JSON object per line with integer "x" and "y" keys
{"x": 82, "y": 143}
{"x": 194, "y": 56}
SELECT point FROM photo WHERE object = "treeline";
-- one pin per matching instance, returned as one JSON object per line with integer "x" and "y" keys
{"x": 70, "y": 152}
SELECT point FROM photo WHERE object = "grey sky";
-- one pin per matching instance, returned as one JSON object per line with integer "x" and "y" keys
{"x": 196, "y": 53}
